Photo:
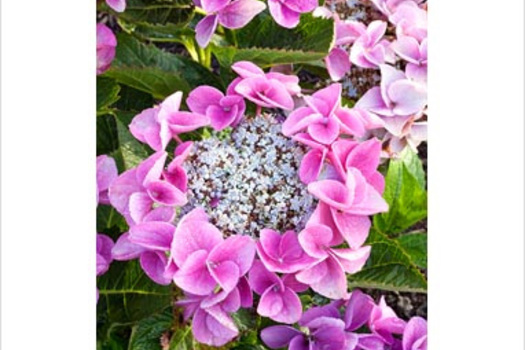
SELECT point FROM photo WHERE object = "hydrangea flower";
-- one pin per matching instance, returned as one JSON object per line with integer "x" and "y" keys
{"x": 106, "y": 47}
{"x": 104, "y": 257}
{"x": 415, "y": 334}
{"x": 270, "y": 90}
{"x": 327, "y": 277}
{"x": 415, "y": 54}
{"x": 384, "y": 322}
{"x": 207, "y": 261}
{"x": 369, "y": 49}
{"x": 324, "y": 117}
{"x": 288, "y": 12}
{"x": 222, "y": 111}
{"x": 389, "y": 7}
{"x": 117, "y": 5}
{"x": 410, "y": 20}
{"x": 106, "y": 174}
{"x": 230, "y": 14}
{"x": 279, "y": 300}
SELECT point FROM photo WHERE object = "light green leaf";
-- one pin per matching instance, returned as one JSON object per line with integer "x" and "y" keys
{"x": 415, "y": 245}
{"x": 182, "y": 339}
{"x": 389, "y": 267}
{"x": 413, "y": 165}
{"x": 159, "y": 73}
{"x": 265, "y": 43}
{"x": 406, "y": 198}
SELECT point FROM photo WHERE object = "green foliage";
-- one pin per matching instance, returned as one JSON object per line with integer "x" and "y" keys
{"x": 159, "y": 73}
{"x": 265, "y": 43}
{"x": 107, "y": 93}
{"x": 405, "y": 194}
{"x": 131, "y": 151}
{"x": 390, "y": 267}
{"x": 147, "y": 333}
{"x": 162, "y": 12}
{"x": 415, "y": 245}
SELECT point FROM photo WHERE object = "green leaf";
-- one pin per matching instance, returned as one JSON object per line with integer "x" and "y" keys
{"x": 147, "y": 334}
{"x": 265, "y": 43}
{"x": 159, "y": 33}
{"x": 178, "y": 12}
{"x": 134, "y": 100}
{"x": 107, "y": 93}
{"x": 405, "y": 195}
{"x": 182, "y": 339}
{"x": 127, "y": 294}
{"x": 389, "y": 267}
{"x": 132, "y": 151}
{"x": 415, "y": 245}
{"x": 413, "y": 165}
{"x": 159, "y": 73}
{"x": 107, "y": 135}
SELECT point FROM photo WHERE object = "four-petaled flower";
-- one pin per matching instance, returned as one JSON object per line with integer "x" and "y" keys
{"x": 288, "y": 12}
{"x": 106, "y": 47}
{"x": 369, "y": 49}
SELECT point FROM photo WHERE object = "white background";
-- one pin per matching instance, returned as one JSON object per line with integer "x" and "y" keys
{"x": 476, "y": 163}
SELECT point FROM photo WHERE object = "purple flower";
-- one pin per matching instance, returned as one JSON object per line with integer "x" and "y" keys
{"x": 104, "y": 257}
{"x": 397, "y": 95}
{"x": 207, "y": 261}
{"x": 337, "y": 63}
{"x": 415, "y": 334}
{"x": 222, "y": 111}
{"x": 270, "y": 90}
{"x": 117, "y": 5}
{"x": 279, "y": 300}
{"x": 358, "y": 310}
{"x": 106, "y": 44}
{"x": 288, "y": 12}
{"x": 282, "y": 253}
{"x": 327, "y": 277}
{"x": 179, "y": 121}
{"x": 324, "y": 117}
{"x": 369, "y": 50}
{"x": 106, "y": 174}
{"x": 231, "y": 14}
{"x": 384, "y": 322}
{"x": 410, "y": 20}
{"x": 134, "y": 193}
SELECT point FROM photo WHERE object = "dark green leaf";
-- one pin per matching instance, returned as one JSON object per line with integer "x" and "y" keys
{"x": 107, "y": 135}
{"x": 415, "y": 245}
{"x": 389, "y": 267}
{"x": 265, "y": 43}
{"x": 147, "y": 334}
{"x": 406, "y": 198}
{"x": 132, "y": 151}
{"x": 107, "y": 93}
{"x": 134, "y": 100}
{"x": 177, "y": 12}
{"x": 149, "y": 69}
{"x": 160, "y": 33}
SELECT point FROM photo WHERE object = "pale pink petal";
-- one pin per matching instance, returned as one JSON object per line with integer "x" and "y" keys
{"x": 213, "y": 327}
{"x": 239, "y": 12}
{"x": 122, "y": 188}
{"x": 408, "y": 97}
{"x": 139, "y": 206}
{"x": 407, "y": 48}
{"x": 354, "y": 228}
{"x": 246, "y": 69}
{"x": 151, "y": 168}
{"x": 211, "y": 6}
{"x": 181, "y": 122}
{"x": 202, "y": 97}
{"x": 352, "y": 260}
{"x": 193, "y": 235}
{"x": 154, "y": 263}
{"x": 155, "y": 235}
{"x": 165, "y": 193}
{"x": 124, "y": 249}
{"x": 311, "y": 165}
{"x": 205, "y": 29}
{"x": 373, "y": 101}
{"x": 337, "y": 63}
{"x": 117, "y": 5}
{"x": 283, "y": 15}
{"x": 375, "y": 31}
{"x": 193, "y": 276}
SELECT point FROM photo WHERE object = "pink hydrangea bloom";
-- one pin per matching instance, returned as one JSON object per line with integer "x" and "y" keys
{"x": 358, "y": 310}
{"x": 369, "y": 49}
{"x": 324, "y": 117}
{"x": 104, "y": 257}
{"x": 327, "y": 277}
{"x": 397, "y": 95}
{"x": 106, "y": 47}
{"x": 415, "y": 54}
{"x": 279, "y": 300}
{"x": 282, "y": 253}
{"x": 384, "y": 322}
{"x": 134, "y": 193}
{"x": 231, "y": 14}
{"x": 106, "y": 174}
{"x": 410, "y": 20}
{"x": 222, "y": 111}
{"x": 389, "y": 7}
{"x": 205, "y": 259}
{"x": 117, "y": 5}
{"x": 288, "y": 12}
{"x": 415, "y": 334}
{"x": 180, "y": 121}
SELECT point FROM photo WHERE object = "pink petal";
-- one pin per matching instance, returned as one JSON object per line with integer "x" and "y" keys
{"x": 277, "y": 96}
{"x": 122, "y": 188}
{"x": 302, "y": 6}
{"x": 245, "y": 293}
{"x": 211, "y": 6}
{"x": 271, "y": 303}
{"x": 193, "y": 276}
{"x": 151, "y": 168}
{"x": 290, "y": 309}
{"x": 311, "y": 165}
{"x": 193, "y": 235}
{"x": 370, "y": 201}
{"x": 354, "y": 228}
{"x": 365, "y": 157}
{"x": 331, "y": 95}
{"x": 106, "y": 172}
{"x": 246, "y": 69}
{"x": 124, "y": 249}
{"x": 389, "y": 75}
{"x": 290, "y": 281}
{"x": 306, "y": 139}
{"x": 332, "y": 284}
{"x": 214, "y": 329}
{"x": 358, "y": 310}
{"x": 205, "y": 29}
{"x": 221, "y": 117}
{"x": 269, "y": 241}
{"x": 375, "y": 31}
{"x": 325, "y": 131}
{"x": 145, "y": 128}
{"x": 375, "y": 55}
{"x": 202, "y": 97}
{"x": 261, "y": 279}
{"x": 333, "y": 193}
{"x": 139, "y": 206}
{"x": 239, "y": 12}
{"x": 279, "y": 336}
{"x": 408, "y": 97}
{"x": 415, "y": 330}
{"x": 155, "y": 235}
{"x": 165, "y": 193}
{"x": 299, "y": 119}
{"x": 181, "y": 122}
{"x": 373, "y": 101}
{"x": 323, "y": 216}
{"x": 171, "y": 104}
{"x": 407, "y": 48}
{"x": 238, "y": 249}
{"x": 117, "y": 5}
{"x": 348, "y": 31}
{"x": 291, "y": 82}
{"x": 312, "y": 274}
{"x": 225, "y": 273}
{"x": 352, "y": 260}
{"x": 314, "y": 239}
{"x": 351, "y": 122}
{"x": 177, "y": 177}
{"x": 283, "y": 15}
{"x": 153, "y": 263}
{"x": 337, "y": 63}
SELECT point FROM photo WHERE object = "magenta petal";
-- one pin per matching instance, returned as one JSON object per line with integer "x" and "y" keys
{"x": 117, "y": 5}
{"x": 269, "y": 241}
{"x": 121, "y": 189}
{"x": 333, "y": 193}
{"x": 351, "y": 121}
{"x": 197, "y": 214}
{"x": 311, "y": 165}
{"x": 238, "y": 13}
{"x": 213, "y": 327}
{"x": 299, "y": 119}
{"x": 139, "y": 206}
{"x": 415, "y": 330}
{"x": 151, "y": 168}
{"x": 205, "y": 29}
{"x": 277, "y": 337}
{"x": 193, "y": 276}
{"x": 354, "y": 228}
{"x": 226, "y": 274}
{"x": 331, "y": 96}
{"x": 313, "y": 274}
{"x": 352, "y": 260}
{"x": 370, "y": 201}
{"x": 221, "y": 117}
{"x": 202, "y": 97}
{"x": 278, "y": 96}
{"x": 166, "y": 214}
{"x": 325, "y": 131}
{"x": 332, "y": 283}
{"x": 124, "y": 249}
{"x": 290, "y": 281}
{"x": 193, "y": 235}
{"x": 291, "y": 82}
{"x": 154, "y": 263}
{"x": 365, "y": 157}
{"x": 238, "y": 249}
{"x": 260, "y": 278}
{"x": 283, "y": 15}
{"x": 358, "y": 310}
{"x": 145, "y": 128}
{"x": 177, "y": 177}
{"x": 271, "y": 303}
{"x": 337, "y": 63}
{"x": 314, "y": 239}
{"x": 155, "y": 235}
{"x": 165, "y": 193}
{"x": 245, "y": 293}
{"x": 181, "y": 122}
{"x": 211, "y": 6}
{"x": 246, "y": 69}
